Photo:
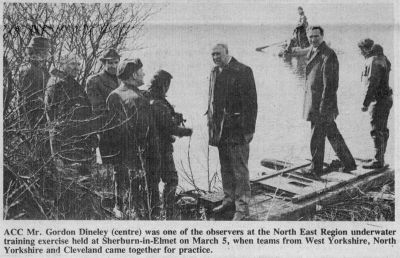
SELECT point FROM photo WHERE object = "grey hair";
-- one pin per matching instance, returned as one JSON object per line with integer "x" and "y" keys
{"x": 224, "y": 46}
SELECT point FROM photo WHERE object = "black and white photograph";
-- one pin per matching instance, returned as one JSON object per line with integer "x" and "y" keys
{"x": 214, "y": 111}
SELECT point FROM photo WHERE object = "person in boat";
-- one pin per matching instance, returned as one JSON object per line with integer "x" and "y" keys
{"x": 301, "y": 30}
{"x": 378, "y": 97}
{"x": 299, "y": 38}
{"x": 320, "y": 104}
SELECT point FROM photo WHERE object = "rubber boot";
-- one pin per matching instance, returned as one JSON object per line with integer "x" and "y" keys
{"x": 386, "y": 138}
{"x": 378, "y": 162}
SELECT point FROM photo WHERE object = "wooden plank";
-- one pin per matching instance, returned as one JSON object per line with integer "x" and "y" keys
{"x": 381, "y": 196}
{"x": 339, "y": 176}
{"x": 279, "y": 209}
{"x": 280, "y": 172}
{"x": 275, "y": 164}
{"x": 293, "y": 185}
{"x": 338, "y": 184}
{"x": 306, "y": 188}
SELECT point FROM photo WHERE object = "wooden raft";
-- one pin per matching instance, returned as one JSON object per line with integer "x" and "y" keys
{"x": 287, "y": 194}
{"x": 292, "y": 181}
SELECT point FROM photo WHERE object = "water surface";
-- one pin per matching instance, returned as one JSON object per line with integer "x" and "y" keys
{"x": 281, "y": 132}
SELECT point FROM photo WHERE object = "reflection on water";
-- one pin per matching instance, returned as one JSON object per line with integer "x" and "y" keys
{"x": 297, "y": 65}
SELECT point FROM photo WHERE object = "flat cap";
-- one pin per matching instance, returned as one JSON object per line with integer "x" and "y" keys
{"x": 127, "y": 67}
{"x": 109, "y": 54}
{"x": 366, "y": 43}
{"x": 39, "y": 42}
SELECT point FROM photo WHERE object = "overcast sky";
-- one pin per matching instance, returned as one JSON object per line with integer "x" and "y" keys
{"x": 281, "y": 12}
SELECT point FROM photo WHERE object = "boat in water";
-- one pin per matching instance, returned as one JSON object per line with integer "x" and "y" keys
{"x": 294, "y": 51}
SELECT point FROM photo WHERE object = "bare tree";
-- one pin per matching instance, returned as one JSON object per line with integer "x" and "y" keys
{"x": 86, "y": 30}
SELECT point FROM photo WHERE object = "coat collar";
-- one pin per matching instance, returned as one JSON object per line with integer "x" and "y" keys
{"x": 231, "y": 66}
{"x": 113, "y": 76}
{"x": 125, "y": 86}
{"x": 319, "y": 49}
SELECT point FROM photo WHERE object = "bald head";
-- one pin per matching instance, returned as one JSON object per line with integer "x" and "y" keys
{"x": 220, "y": 54}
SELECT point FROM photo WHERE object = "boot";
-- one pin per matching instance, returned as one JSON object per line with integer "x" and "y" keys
{"x": 378, "y": 162}
{"x": 386, "y": 138}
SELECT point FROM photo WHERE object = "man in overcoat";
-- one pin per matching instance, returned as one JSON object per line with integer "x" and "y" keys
{"x": 320, "y": 104}
{"x": 134, "y": 144}
{"x": 98, "y": 87}
{"x": 33, "y": 78}
{"x": 232, "y": 113}
{"x": 69, "y": 116}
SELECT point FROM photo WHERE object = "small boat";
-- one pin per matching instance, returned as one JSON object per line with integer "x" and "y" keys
{"x": 294, "y": 52}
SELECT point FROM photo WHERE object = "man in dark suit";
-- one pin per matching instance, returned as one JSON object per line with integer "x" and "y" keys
{"x": 232, "y": 113}
{"x": 320, "y": 103}
{"x": 33, "y": 78}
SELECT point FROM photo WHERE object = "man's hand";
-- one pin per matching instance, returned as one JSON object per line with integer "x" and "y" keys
{"x": 248, "y": 137}
{"x": 364, "y": 109}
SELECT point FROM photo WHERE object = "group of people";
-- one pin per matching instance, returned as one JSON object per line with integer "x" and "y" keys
{"x": 320, "y": 104}
{"x": 135, "y": 130}
{"x": 232, "y": 113}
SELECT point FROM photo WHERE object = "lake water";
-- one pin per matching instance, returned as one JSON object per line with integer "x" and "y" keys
{"x": 281, "y": 133}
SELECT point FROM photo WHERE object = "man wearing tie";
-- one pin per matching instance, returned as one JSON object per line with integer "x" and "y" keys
{"x": 320, "y": 104}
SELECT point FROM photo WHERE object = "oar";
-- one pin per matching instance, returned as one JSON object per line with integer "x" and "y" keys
{"x": 270, "y": 45}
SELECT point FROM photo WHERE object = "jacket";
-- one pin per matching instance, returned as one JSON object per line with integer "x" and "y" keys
{"x": 375, "y": 77}
{"x": 322, "y": 78}
{"x": 98, "y": 87}
{"x": 69, "y": 115}
{"x": 167, "y": 122}
{"x": 232, "y": 107}
{"x": 31, "y": 89}
{"x": 132, "y": 137}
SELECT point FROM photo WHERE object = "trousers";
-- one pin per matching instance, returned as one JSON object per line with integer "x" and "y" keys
{"x": 135, "y": 190}
{"x": 379, "y": 115}
{"x": 169, "y": 176}
{"x": 328, "y": 129}
{"x": 235, "y": 175}
{"x": 379, "y": 132}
